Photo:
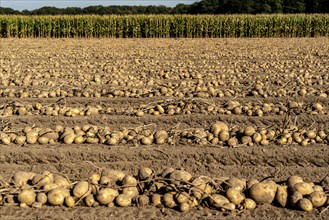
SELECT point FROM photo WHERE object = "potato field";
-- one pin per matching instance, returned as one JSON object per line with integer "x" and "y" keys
{"x": 178, "y": 128}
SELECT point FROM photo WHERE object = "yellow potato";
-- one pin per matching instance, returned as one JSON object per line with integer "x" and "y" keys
{"x": 235, "y": 196}
{"x": 26, "y": 196}
{"x": 81, "y": 189}
{"x": 281, "y": 196}
{"x": 318, "y": 199}
{"x": 263, "y": 192}
{"x": 123, "y": 200}
{"x": 217, "y": 200}
{"x": 305, "y": 205}
{"x": 57, "y": 196}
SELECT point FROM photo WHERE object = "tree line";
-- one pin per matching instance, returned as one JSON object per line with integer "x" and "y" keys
{"x": 200, "y": 7}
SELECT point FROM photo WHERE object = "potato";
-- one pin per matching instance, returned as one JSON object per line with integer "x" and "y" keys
{"x": 21, "y": 178}
{"x": 37, "y": 205}
{"x": 105, "y": 180}
{"x": 156, "y": 199}
{"x": 249, "y": 131}
{"x": 217, "y": 200}
{"x": 129, "y": 180}
{"x": 61, "y": 181}
{"x": 217, "y": 127}
{"x": 147, "y": 140}
{"x": 160, "y": 136}
{"x": 303, "y": 188}
{"x": 228, "y": 207}
{"x": 69, "y": 138}
{"x": 20, "y": 139}
{"x": 180, "y": 175}
{"x": 78, "y": 139}
{"x": 26, "y": 196}
{"x": 184, "y": 207}
{"x": 201, "y": 187}
{"x": 181, "y": 197}
{"x": 57, "y": 196}
{"x": 263, "y": 192}
{"x": 89, "y": 200}
{"x": 249, "y": 204}
{"x": 49, "y": 186}
{"x": 6, "y": 140}
{"x": 142, "y": 200}
{"x": 246, "y": 140}
{"x": 251, "y": 182}
{"x": 224, "y": 136}
{"x": 292, "y": 180}
{"x": 281, "y": 196}
{"x": 92, "y": 140}
{"x": 144, "y": 173}
{"x": 69, "y": 201}
{"x": 318, "y": 188}
{"x": 235, "y": 196}
{"x": 22, "y": 205}
{"x": 167, "y": 171}
{"x": 318, "y": 199}
{"x": 123, "y": 200}
{"x": 42, "y": 197}
{"x": 131, "y": 191}
{"x": 40, "y": 180}
{"x": 256, "y": 137}
{"x": 305, "y": 205}
{"x": 168, "y": 200}
{"x": 42, "y": 140}
{"x": 31, "y": 137}
{"x": 114, "y": 174}
{"x": 94, "y": 178}
{"x": 294, "y": 198}
{"x": 112, "y": 141}
{"x": 238, "y": 184}
{"x": 107, "y": 195}
{"x": 51, "y": 135}
{"x": 193, "y": 202}
{"x": 82, "y": 188}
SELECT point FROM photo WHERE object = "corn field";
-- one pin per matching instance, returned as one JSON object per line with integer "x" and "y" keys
{"x": 164, "y": 26}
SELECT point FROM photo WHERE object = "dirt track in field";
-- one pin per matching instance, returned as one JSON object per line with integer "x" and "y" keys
{"x": 69, "y": 66}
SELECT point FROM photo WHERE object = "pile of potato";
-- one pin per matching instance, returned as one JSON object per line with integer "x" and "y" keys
{"x": 219, "y": 134}
{"x": 171, "y": 188}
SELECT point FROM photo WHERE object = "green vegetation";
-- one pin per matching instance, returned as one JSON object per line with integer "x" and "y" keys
{"x": 199, "y": 7}
{"x": 165, "y": 26}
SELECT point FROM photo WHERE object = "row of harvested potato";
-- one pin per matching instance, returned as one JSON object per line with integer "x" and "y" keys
{"x": 171, "y": 188}
{"x": 51, "y": 78}
{"x": 258, "y": 108}
{"x": 218, "y": 134}
{"x": 167, "y": 89}
{"x": 170, "y": 107}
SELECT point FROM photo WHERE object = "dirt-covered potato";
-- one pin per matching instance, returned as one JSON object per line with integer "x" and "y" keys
{"x": 281, "y": 196}
{"x": 26, "y": 196}
{"x": 106, "y": 195}
{"x": 235, "y": 196}
{"x": 305, "y": 205}
{"x": 57, "y": 196}
{"x": 217, "y": 200}
{"x": 318, "y": 199}
{"x": 123, "y": 200}
{"x": 81, "y": 189}
{"x": 263, "y": 192}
